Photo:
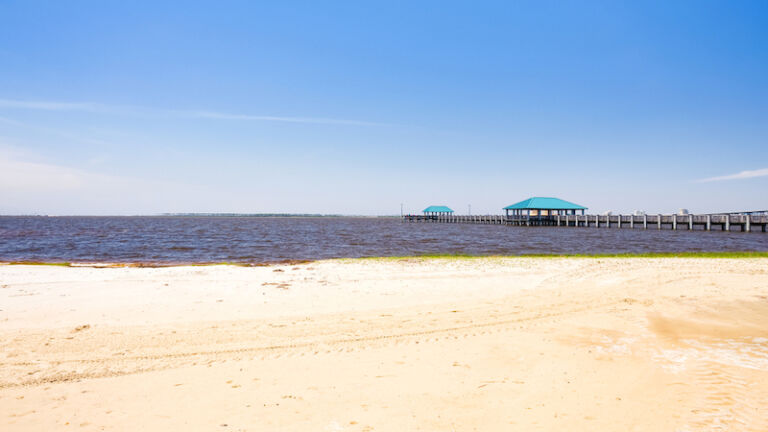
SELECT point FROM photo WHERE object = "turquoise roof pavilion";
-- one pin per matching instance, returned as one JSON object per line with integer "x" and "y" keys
{"x": 543, "y": 206}
{"x": 437, "y": 210}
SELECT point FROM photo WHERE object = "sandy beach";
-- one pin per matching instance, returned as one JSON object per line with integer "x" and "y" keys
{"x": 579, "y": 344}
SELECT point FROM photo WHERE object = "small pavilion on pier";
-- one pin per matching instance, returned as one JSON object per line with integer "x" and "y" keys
{"x": 437, "y": 210}
{"x": 542, "y": 208}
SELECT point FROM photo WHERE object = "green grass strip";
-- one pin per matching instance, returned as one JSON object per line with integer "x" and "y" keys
{"x": 745, "y": 254}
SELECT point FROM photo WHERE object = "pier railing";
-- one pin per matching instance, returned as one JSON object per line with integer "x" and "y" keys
{"x": 477, "y": 219}
{"x": 708, "y": 222}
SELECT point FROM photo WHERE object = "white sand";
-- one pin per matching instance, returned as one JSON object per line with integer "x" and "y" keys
{"x": 444, "y": 344}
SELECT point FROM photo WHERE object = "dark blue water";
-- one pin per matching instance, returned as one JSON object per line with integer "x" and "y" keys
{"x": 258, "y": 240}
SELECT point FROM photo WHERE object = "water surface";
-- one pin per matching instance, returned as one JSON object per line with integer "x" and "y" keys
{"x": 258, "y": 239}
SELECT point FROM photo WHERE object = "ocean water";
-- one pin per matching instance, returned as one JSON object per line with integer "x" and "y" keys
{"x": 258, "y": 239}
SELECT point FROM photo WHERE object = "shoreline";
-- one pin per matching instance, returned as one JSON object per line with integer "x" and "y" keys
{"x": 153, "y": 264}
{"x": 388, "y": 344}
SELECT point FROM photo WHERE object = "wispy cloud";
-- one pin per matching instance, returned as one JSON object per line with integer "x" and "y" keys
{"x": 6, "y": 120}
{"x": 29, "y": 186}
{"x": 51, "y": 131}
{"x": 50, "y": 106}
{"x": 157, "y": 112}
{"x": 741, "y": 175}
{"x": 318, "y": 120}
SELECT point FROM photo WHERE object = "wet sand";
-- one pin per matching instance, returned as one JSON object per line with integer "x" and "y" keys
{"x": 363, "y": 345}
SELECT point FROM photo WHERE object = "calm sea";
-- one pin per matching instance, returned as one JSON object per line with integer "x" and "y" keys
{"x": 257, "y": 240}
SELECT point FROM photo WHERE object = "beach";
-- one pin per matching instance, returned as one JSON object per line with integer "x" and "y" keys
{"x": 390, "y": 344}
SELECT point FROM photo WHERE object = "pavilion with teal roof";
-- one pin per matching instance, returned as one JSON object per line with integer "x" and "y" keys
{"x": 437, "y": 210}
{"x": 540, "y": 208}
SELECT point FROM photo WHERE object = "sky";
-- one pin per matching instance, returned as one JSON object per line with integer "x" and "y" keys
{"x": 123, "y": 108}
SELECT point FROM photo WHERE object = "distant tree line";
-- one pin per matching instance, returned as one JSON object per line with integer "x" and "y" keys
{"x": 251, "y": 214}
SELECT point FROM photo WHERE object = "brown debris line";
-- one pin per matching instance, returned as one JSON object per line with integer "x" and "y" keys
{"x": 151, "y": 264}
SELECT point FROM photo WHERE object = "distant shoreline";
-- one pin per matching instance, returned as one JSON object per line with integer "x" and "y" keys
{"x": 223, "y": 215}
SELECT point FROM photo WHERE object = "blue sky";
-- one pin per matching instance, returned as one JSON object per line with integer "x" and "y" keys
{"x": 357, "y": 107}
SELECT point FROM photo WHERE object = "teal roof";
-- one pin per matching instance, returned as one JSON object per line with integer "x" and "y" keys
{"x": 545, "y": 203}
{"x": 437, "y": 209}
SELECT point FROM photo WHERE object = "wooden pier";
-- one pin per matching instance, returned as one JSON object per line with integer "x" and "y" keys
{"x": 708, "y": 222}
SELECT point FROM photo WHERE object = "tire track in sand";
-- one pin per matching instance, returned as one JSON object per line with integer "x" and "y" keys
{"x": 102, "y": 367}
{"x": 729, "y": 400}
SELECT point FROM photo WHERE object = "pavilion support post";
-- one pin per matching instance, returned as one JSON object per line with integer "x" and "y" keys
{"x": 674, "y": 222}
{"x": 645, "y": 221}
{"x": 632, "y": 222}
{"x": 747, "y": 228}
{"x": 690, "y": 222}
{"x": 709, "y": 222}
{"x": 727, "y": 222}
{"x": 658, "y": 220}
{"x": 619, "y": 225}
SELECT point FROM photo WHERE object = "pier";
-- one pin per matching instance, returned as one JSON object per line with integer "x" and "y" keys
{"x": 708, "y": 222}
{"x": 555, "y": 212}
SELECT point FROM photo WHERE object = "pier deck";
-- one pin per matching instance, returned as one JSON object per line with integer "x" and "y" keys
{"x": 708, "y": 222}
